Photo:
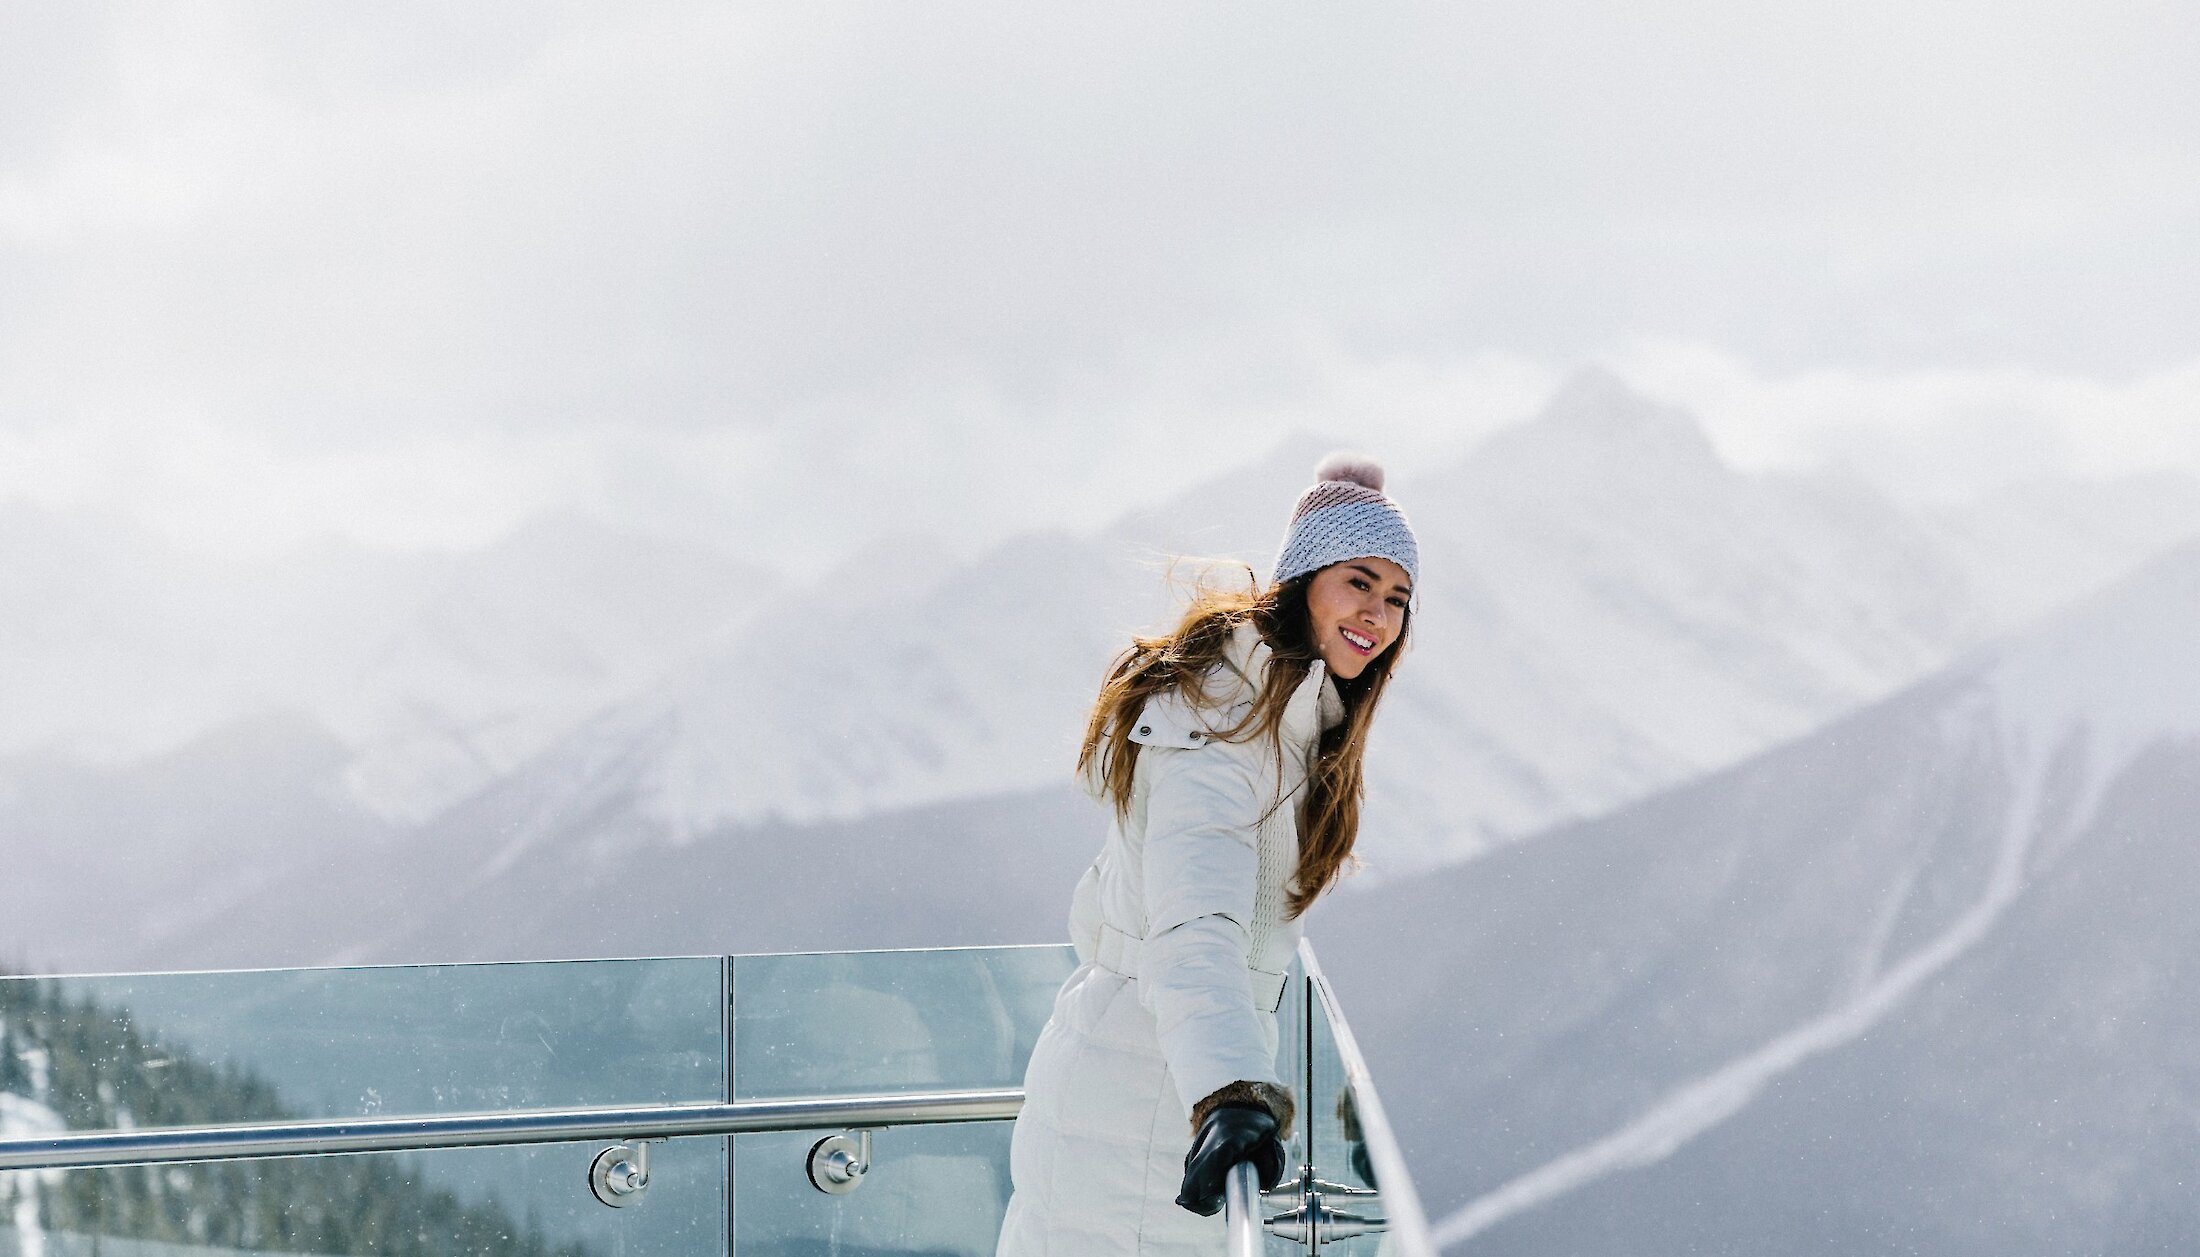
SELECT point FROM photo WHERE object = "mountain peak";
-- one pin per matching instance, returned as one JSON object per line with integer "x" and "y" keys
{"x": 1595, "y": 425}
{"x": 1595, "y": 405}
{"x": 2120, "y": 664}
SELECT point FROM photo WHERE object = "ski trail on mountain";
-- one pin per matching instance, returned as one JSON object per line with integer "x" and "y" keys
{"x": 1871, "y": 959}
{"x": 1712, "y": 1098}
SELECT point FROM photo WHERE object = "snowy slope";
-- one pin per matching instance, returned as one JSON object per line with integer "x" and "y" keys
{"x": 1879, "y": 986}
{"x": 1611, "y": 609}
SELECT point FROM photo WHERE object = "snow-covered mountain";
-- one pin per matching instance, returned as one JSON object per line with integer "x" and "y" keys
{"x": 177, "y": 735}
{"x": 517, "y": 644}
{"x": 1924, "y": 980}
{"x": 1608, "y": 609}
{"x": 870, "y": 696}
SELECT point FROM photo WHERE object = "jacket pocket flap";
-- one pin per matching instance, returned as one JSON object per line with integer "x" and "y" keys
{"x": 1168, "y": 720}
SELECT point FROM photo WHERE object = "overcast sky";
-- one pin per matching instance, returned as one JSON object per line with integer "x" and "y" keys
{"x": 784, "y": 277}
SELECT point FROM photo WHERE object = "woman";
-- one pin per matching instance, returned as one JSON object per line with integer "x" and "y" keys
{"x": 1230, "y": 751}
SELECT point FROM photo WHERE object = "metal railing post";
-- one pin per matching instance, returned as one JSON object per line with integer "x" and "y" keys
{"x": 1241, "y": 1209}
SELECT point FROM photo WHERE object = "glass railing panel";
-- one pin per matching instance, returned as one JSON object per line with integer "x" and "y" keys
{"x": 849, "y": 1022}
{"x": 182, "y": 1050}
{"x": 1367, "y": 1204}
{"x": 198, "y": 1049}
{"x": 888, "y": 1021}
{"x": 1337, "y": 1141}
{"x": 405, "y": 1039}
{"x": 1291, "y": 1063}
{"x": 480, "y": 1202}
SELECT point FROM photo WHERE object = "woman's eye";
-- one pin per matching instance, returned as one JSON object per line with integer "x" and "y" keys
{"x": 1399, "y": 603}
{"x": 1358, "y": 583}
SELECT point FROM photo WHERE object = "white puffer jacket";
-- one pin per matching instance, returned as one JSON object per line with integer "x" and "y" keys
{"x": 1180, "y": 929}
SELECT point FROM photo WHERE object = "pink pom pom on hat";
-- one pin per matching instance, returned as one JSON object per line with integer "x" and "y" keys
{"x": 1345, "y": 516}
{"x": 1359, "y": 469}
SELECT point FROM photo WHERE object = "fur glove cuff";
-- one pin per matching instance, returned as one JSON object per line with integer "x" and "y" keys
{"x": 1277, "y": 1100}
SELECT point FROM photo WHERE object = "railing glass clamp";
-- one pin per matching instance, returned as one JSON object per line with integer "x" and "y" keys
{"x": 1309, "y": 1216}
{"x": 620, "y": 1173}
{"x": 837, "y": 1163}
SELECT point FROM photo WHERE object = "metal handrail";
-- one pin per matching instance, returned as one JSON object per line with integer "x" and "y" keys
{"x": 86, "y": 1149}
{"x": 1241, "y": 1209}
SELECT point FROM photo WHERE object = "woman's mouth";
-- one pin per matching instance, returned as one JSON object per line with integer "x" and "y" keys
{"x": 1360, "y": 642}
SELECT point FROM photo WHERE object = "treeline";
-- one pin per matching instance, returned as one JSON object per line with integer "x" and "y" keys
{"x": 94, "y": 1069}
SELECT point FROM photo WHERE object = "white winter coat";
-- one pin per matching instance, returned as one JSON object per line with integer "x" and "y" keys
{"x": 1179, "y": 927}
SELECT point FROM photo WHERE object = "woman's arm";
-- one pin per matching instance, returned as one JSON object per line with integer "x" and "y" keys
{"x": 1201, "y": 864}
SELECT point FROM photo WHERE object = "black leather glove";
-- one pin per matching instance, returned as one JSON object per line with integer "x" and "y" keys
{"x": 1231, "y": 1133}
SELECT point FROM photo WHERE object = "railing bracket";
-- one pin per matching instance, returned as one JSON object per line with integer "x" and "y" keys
{"x": 837, "y": 1163}
{"x": 1311, "y": 1219}
{"x": 620, "y": 1173}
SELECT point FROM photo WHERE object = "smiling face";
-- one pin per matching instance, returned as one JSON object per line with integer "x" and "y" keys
{"x": 1356, "y": 609}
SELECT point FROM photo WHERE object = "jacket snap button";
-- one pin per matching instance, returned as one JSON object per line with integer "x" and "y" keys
{"x": 1145, "y": 730}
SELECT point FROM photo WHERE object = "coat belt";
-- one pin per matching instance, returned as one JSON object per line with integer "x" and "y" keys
{"x": 1118, "y": 954}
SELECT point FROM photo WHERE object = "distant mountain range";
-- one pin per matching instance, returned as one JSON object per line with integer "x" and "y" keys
{"x": 1925, "y": 980}
{"x": 1608, "y": 610}
{"x": 1754, "y": 869}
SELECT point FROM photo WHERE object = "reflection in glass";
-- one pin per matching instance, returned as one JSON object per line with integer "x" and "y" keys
{"x": 855, "y": 1022}
{"x": 82, "y": 1054}
{"x": 419, "y": 1039}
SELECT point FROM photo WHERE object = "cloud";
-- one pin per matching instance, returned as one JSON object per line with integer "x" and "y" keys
{"x": 1931, "y": 434}
{"x": 974, "y": 263}
{"x": 216, "y": 489}
{"x": 944, "y": 455}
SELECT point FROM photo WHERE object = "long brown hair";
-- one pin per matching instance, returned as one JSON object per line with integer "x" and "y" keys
{"x": 1182, "y": 659}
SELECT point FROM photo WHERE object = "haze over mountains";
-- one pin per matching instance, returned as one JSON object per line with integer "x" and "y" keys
{"x": 1747, "y": 841}
{"x": 1922, "y": 981}
{"x": 1607, "y": 609}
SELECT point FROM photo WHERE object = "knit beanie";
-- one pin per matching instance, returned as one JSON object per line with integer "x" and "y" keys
{"x": 1345, "y": 516}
